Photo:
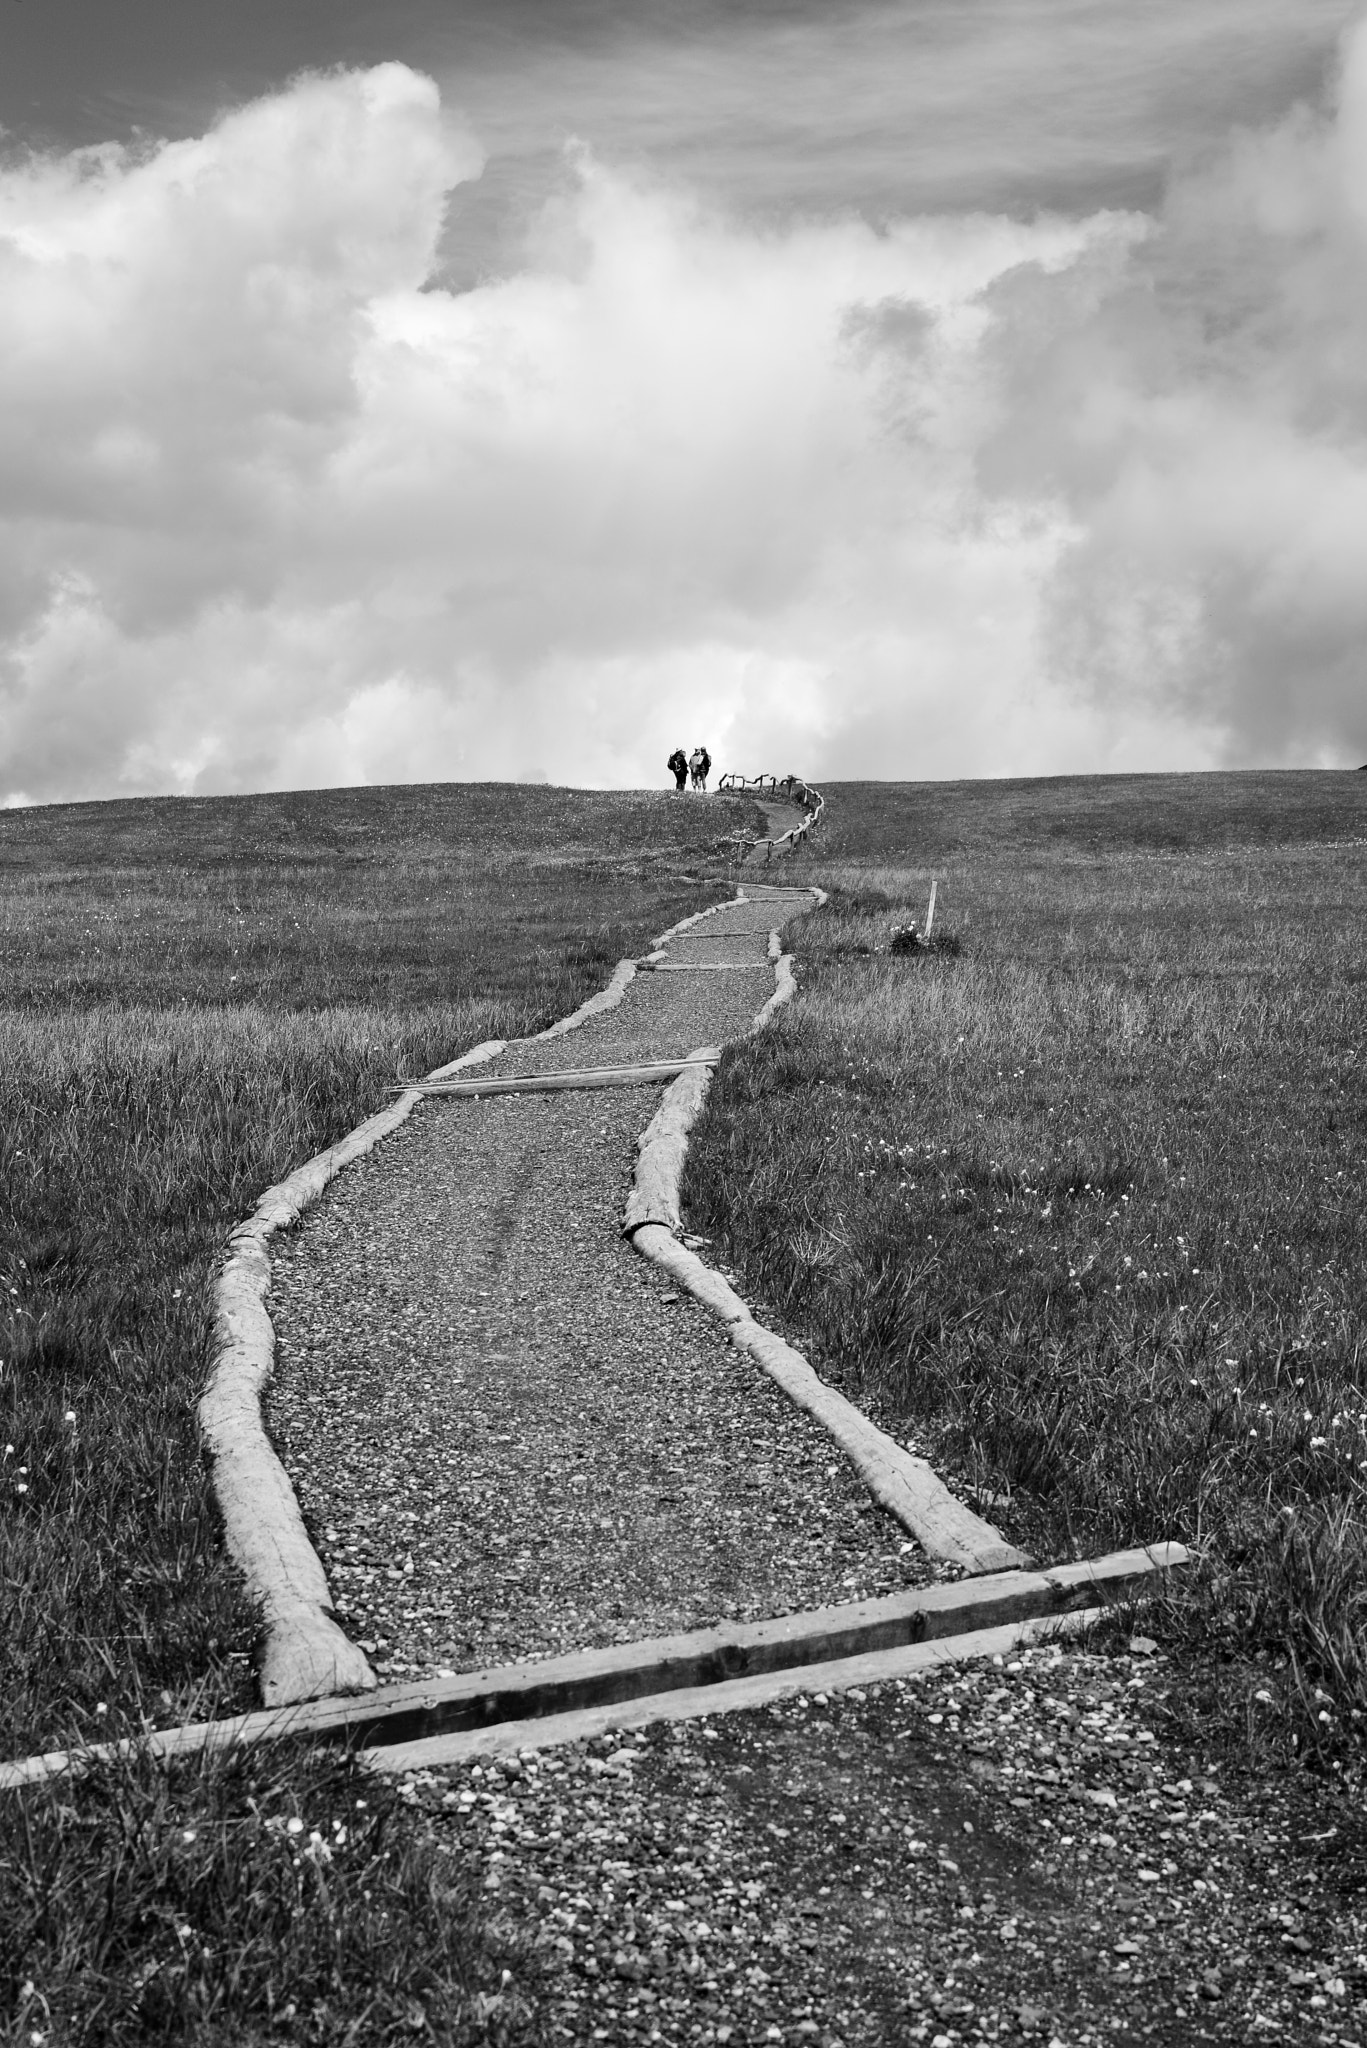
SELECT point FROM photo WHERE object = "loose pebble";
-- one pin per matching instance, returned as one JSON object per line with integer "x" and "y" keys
{"x": 787, "y": 1873}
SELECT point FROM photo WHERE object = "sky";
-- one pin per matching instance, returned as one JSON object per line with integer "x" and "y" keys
{"x": 521, "y": 388}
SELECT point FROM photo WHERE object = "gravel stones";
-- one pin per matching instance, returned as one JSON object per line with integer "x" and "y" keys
{"x": 509, "y": 1435}
{"x": 665, "y": 1016}
{"x": 661, "y": 1016}
{"x": 1020, "y": 1850}
{"x": 707, "y": 947}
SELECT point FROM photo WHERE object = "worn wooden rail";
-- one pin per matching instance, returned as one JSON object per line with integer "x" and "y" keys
{"x": 795, "y": 789}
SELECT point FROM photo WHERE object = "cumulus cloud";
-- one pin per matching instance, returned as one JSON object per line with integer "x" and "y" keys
{"x": 1197, "y": 400}
{"x": 959, "y": 494}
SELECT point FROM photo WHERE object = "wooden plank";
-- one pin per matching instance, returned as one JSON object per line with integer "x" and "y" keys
{"x": 583, "y": 1679}
{"x": 790, "y": 1643}
{"x": 581, "y": 1077}
{"x": 689, "y": 1703}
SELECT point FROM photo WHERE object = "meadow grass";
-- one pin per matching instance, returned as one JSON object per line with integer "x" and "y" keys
{"x": 194, "y": 997}
{"x": 260, "y": 1897}
{"x": 1084, "y": 1206}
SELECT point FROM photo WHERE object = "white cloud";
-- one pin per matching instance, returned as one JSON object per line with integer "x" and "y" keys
{"x": 965, "y": 495}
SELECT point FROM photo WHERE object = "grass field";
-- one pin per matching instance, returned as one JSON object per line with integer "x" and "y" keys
{"x": 194, "y": 997}
{"x": 1084, "y": 1205}
{"x": 1080, "y": 1206}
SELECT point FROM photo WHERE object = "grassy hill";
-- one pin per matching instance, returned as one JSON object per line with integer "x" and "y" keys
{"x": 305, "y": 900}
{"x": 1077, "y": 1202}
{"x": 194, "y": 997}
{"x": 1097, "y": 815}
{"x": 1081, "y": 1200}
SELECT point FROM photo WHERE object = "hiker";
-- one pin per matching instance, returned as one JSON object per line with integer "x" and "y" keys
{"x": 677, "y": 765}
{"x": 704, "y": 767}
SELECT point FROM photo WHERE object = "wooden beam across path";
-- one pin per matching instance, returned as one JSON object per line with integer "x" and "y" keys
{"x": 730, "y": 1696}
{"x": 476, "y": 1705}
{"x": 569, "y": 1077}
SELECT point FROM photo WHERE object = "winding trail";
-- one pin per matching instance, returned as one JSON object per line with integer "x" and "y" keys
{"x": 524, "y": 1422}
{"x": 511, "y": 1436}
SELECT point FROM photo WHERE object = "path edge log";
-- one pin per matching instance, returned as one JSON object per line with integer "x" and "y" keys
{"x": 906, "y": 1485}
{"x": 304, "y": 1654}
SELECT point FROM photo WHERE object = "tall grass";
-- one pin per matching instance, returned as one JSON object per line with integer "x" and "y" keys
{"x": 243, "y": 1899}
{"x": 1087, "y": 1206}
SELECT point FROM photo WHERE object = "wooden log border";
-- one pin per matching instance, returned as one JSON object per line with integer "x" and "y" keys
{"x": 907, "y": 1486}
{"x": 304, "y": 1654}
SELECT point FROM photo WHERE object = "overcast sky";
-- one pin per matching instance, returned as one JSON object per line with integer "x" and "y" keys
{"x": 433, "y": 388}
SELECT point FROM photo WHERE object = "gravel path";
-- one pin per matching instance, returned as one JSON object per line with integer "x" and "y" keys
{"x": 668, "y": 1015}
{"x": 661, "y": 1016}
{"x": 706, "y": 947}
{"x": 508, "y": 1434}
{"x": 1027, "y": 1850}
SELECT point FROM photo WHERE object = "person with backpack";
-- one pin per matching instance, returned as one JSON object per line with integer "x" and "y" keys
{"x": 677, "y": 765}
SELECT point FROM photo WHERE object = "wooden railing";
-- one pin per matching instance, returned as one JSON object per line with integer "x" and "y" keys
{"x": 740, "y": 784}
{"x": 790, "y": 786}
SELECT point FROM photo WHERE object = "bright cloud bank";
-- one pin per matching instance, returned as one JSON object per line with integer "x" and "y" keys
{"x": 962, "y": 495}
